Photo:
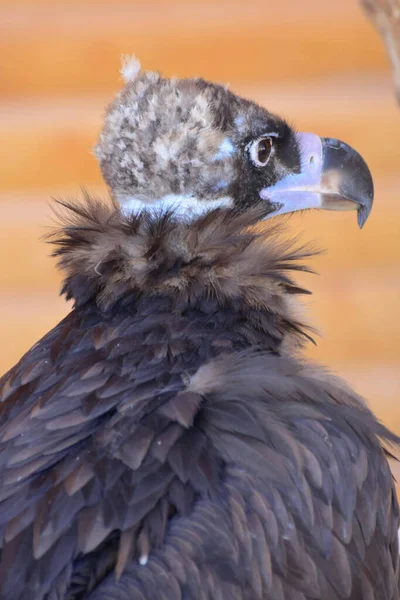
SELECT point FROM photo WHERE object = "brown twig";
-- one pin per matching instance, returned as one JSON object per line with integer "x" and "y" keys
{"x": 385, "y": 14}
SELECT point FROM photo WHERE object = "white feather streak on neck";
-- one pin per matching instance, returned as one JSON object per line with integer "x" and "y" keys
{"x": 182, "y": 205}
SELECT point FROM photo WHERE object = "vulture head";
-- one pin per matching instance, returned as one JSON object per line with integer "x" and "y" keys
{"x": 191, "y": 146}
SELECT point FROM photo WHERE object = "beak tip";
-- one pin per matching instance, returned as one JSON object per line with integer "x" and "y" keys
{"x": 362, "y": 215}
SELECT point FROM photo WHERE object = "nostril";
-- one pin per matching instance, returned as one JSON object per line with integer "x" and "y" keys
{"x": 312, "y": 161}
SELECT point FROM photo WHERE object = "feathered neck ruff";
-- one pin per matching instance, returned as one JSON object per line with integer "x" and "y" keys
{"x": 108, "y": 257}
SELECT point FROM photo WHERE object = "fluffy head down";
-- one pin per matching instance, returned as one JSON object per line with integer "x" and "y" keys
{"x": 186, "y": 139}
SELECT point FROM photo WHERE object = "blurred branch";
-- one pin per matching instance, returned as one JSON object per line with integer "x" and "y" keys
{"x": 385, "y": 14}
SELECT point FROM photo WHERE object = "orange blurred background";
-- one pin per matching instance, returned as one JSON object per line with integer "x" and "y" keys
{"x": 319, "y": 63}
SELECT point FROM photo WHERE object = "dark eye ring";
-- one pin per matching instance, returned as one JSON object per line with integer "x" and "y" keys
{"x": 261, "y": 150}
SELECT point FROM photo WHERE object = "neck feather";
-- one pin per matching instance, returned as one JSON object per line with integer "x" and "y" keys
{"x": 109, "y": 257}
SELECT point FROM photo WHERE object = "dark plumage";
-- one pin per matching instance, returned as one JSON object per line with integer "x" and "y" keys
{"x": 163, "y": 442}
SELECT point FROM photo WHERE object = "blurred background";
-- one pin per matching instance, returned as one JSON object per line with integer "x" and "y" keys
{"x": 318, "y": 63}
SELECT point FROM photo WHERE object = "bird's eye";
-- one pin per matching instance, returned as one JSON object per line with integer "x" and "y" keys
{"x": 260, "y": 151}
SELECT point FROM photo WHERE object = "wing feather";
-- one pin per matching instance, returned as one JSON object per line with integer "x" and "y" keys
{"x": 270, "y": 482}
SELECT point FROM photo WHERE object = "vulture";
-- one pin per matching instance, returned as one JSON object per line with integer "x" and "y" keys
{"x": 167, "y": 440}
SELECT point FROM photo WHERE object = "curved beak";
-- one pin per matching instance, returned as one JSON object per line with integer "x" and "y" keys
{"x": 333, "y": 176}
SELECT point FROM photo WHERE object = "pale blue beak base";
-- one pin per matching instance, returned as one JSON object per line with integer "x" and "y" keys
{"x": 333, "y": 176}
